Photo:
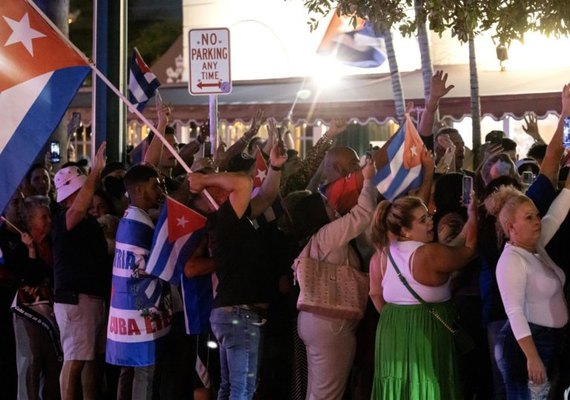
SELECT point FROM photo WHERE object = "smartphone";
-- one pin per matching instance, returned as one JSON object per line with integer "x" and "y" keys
{"x": 566, "y": 133}
{"x": 55, "y": 155}
{"x": 527, "y": 178}
{"x": 467, "y": 188}
{"x": 280, "y": 143}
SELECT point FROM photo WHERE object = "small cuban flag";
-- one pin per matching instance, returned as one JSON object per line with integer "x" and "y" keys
{"x": 143, "y": 83}
{"x": 402, "y": 170}
{"x": 173, "y": 240}
{"x": 260, "y": 173}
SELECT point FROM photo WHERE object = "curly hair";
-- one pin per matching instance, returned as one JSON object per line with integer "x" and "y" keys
{"x": 391, "y": 217}
{"x": 503, "y": 204}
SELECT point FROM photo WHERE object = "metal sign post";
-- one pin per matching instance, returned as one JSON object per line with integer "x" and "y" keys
{"x": 210, "y": 69}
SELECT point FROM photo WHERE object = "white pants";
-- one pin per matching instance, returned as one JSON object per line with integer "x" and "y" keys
{"x": 331, "y": 346}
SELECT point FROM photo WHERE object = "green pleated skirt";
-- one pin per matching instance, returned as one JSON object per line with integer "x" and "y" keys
{"x": 415, "y": 354}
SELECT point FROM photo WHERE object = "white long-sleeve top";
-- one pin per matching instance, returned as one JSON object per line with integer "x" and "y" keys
{"x": 531, "y": 284}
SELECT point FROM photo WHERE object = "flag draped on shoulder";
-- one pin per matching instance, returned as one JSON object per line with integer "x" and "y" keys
{"x": 358, "y": 46}
{"x": 173, "y": 240}
{"x": 403, "y": 168}
{"x": 142, "y": 82}
{"x": 39, "y": 76}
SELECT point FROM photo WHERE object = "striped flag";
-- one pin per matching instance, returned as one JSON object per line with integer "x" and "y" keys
{"x": 358, "y": 46}
{"x": 140, "y": 312}
{"x": 173, "y": 240}
{"x": 401, "y": 169}
{"x": 39, "y": 76}
{"x": 143, "y": 84}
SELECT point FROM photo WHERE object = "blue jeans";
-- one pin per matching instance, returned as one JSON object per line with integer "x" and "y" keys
{"x": 239, "y": 333}
{"x": 512, "y": 361}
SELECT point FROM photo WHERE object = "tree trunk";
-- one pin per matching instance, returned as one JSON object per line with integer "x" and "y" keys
{"x": 423, "y": 42}
{"x": 397, "y": 91}
{"x": 475, "y": 101}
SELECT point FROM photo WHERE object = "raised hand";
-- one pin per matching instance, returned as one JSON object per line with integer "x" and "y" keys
{"x": 438, "y": 85}
{"x": 531, "y": 127}
{"x": 258, "y": 120}
{"x": 566, "y": 100}
{"x": 338, "y": 125}
{"x": 369, "y": 169}
{"x": 276, "y": 157}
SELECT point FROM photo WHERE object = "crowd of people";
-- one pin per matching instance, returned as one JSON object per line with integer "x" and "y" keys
{"x": 467, "y": 288}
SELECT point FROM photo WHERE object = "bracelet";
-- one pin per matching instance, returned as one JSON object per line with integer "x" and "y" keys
{"x": 274, "y": 168}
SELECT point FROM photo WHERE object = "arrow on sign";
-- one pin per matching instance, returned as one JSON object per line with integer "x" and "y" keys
{"x": 209, "y": 84}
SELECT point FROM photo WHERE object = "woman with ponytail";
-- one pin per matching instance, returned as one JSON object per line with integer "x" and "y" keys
{"x": 415, "y": 356}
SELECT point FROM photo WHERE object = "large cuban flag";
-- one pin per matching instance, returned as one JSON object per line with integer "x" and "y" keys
{"x": 39, "y": 75}
{"x": 358, "y": 46}
{"x": 402, "y": 169}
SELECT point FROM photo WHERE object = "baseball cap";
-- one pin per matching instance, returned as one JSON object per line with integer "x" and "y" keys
{"x": 67, "y": 181}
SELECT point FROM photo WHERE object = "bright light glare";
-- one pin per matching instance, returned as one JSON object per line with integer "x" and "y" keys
{"x": 327, "y": 72}
{"x": 211, "y": 344}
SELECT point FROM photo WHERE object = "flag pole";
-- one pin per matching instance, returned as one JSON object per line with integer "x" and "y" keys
{"x": 130, "y": 106}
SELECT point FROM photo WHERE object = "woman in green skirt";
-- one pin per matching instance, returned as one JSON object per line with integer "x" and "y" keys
{"x": 409, "y": 276}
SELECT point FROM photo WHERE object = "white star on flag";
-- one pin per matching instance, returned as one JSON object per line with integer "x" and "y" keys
{"x": 181, "y": 221}
{"x": 414, "y": 151}
{"x": 23, "y": 33}
{"x": 261, "y": 174}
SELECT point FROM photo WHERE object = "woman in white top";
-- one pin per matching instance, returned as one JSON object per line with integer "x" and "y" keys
{"x": 531, "y": 287}
{"x": 415, "y": 356}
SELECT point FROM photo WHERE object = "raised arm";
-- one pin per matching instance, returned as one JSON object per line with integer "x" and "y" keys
{"x": 239, "y": 185}
{"x": 152, "y": 155}
{"x": 78, "y": 209}
{"x": 444, "y": 259}
{"x": 424, "y": 192}
{"x": 344, "y": 229}
{"x": 438, "y": 90}
{"x": 551, "y": 162}
{"x": 239, "y": 146}
{"x": 270, "y": 186}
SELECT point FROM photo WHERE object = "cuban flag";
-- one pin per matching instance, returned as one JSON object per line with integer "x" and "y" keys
{"x": 140, "y": 313}
{"x": 39, "y": 76}
{"x": 401, "y": 169}
{"x": 173, "y": 240}
{"x": 358, "y": 46}
{"x": 276, "y": 209}
{"x": 260, "y": 173}
{"x": 142, "y": 82}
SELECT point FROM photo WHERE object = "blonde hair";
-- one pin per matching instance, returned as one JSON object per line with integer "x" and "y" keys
{"x": 503, "y": 204}
{"x": 391, "y": 217}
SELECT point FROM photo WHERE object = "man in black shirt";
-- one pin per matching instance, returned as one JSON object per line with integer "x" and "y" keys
{"x": 81, "y": 280}
{"x": 243, "y": 271}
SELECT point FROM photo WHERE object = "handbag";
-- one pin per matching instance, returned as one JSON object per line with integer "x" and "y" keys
{"x": 463, "y": 341}
{"x": 338, "y": 291}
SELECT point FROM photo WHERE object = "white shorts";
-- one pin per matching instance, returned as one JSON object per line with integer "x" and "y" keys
{"x": 82, "y": 328}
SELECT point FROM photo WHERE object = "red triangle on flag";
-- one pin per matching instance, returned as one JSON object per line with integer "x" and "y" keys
{"x": 30, "y": 46}
{"x": 260, "y": 170}
{"x": 181, "y": 220}
{"x": 413, "y": 145}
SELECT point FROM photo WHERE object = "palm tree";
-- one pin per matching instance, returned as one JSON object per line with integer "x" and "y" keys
{"x": 397, "y": 91}
{"x": 475, "y": 100}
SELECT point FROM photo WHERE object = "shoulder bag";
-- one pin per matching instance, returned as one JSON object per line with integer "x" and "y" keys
{"x": 463, "y": 342}
{"x": 338, "y": 291}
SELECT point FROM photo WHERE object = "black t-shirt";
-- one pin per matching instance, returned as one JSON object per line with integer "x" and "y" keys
{"x": 240, "y": 259}
{"x": 80, "y": 257}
